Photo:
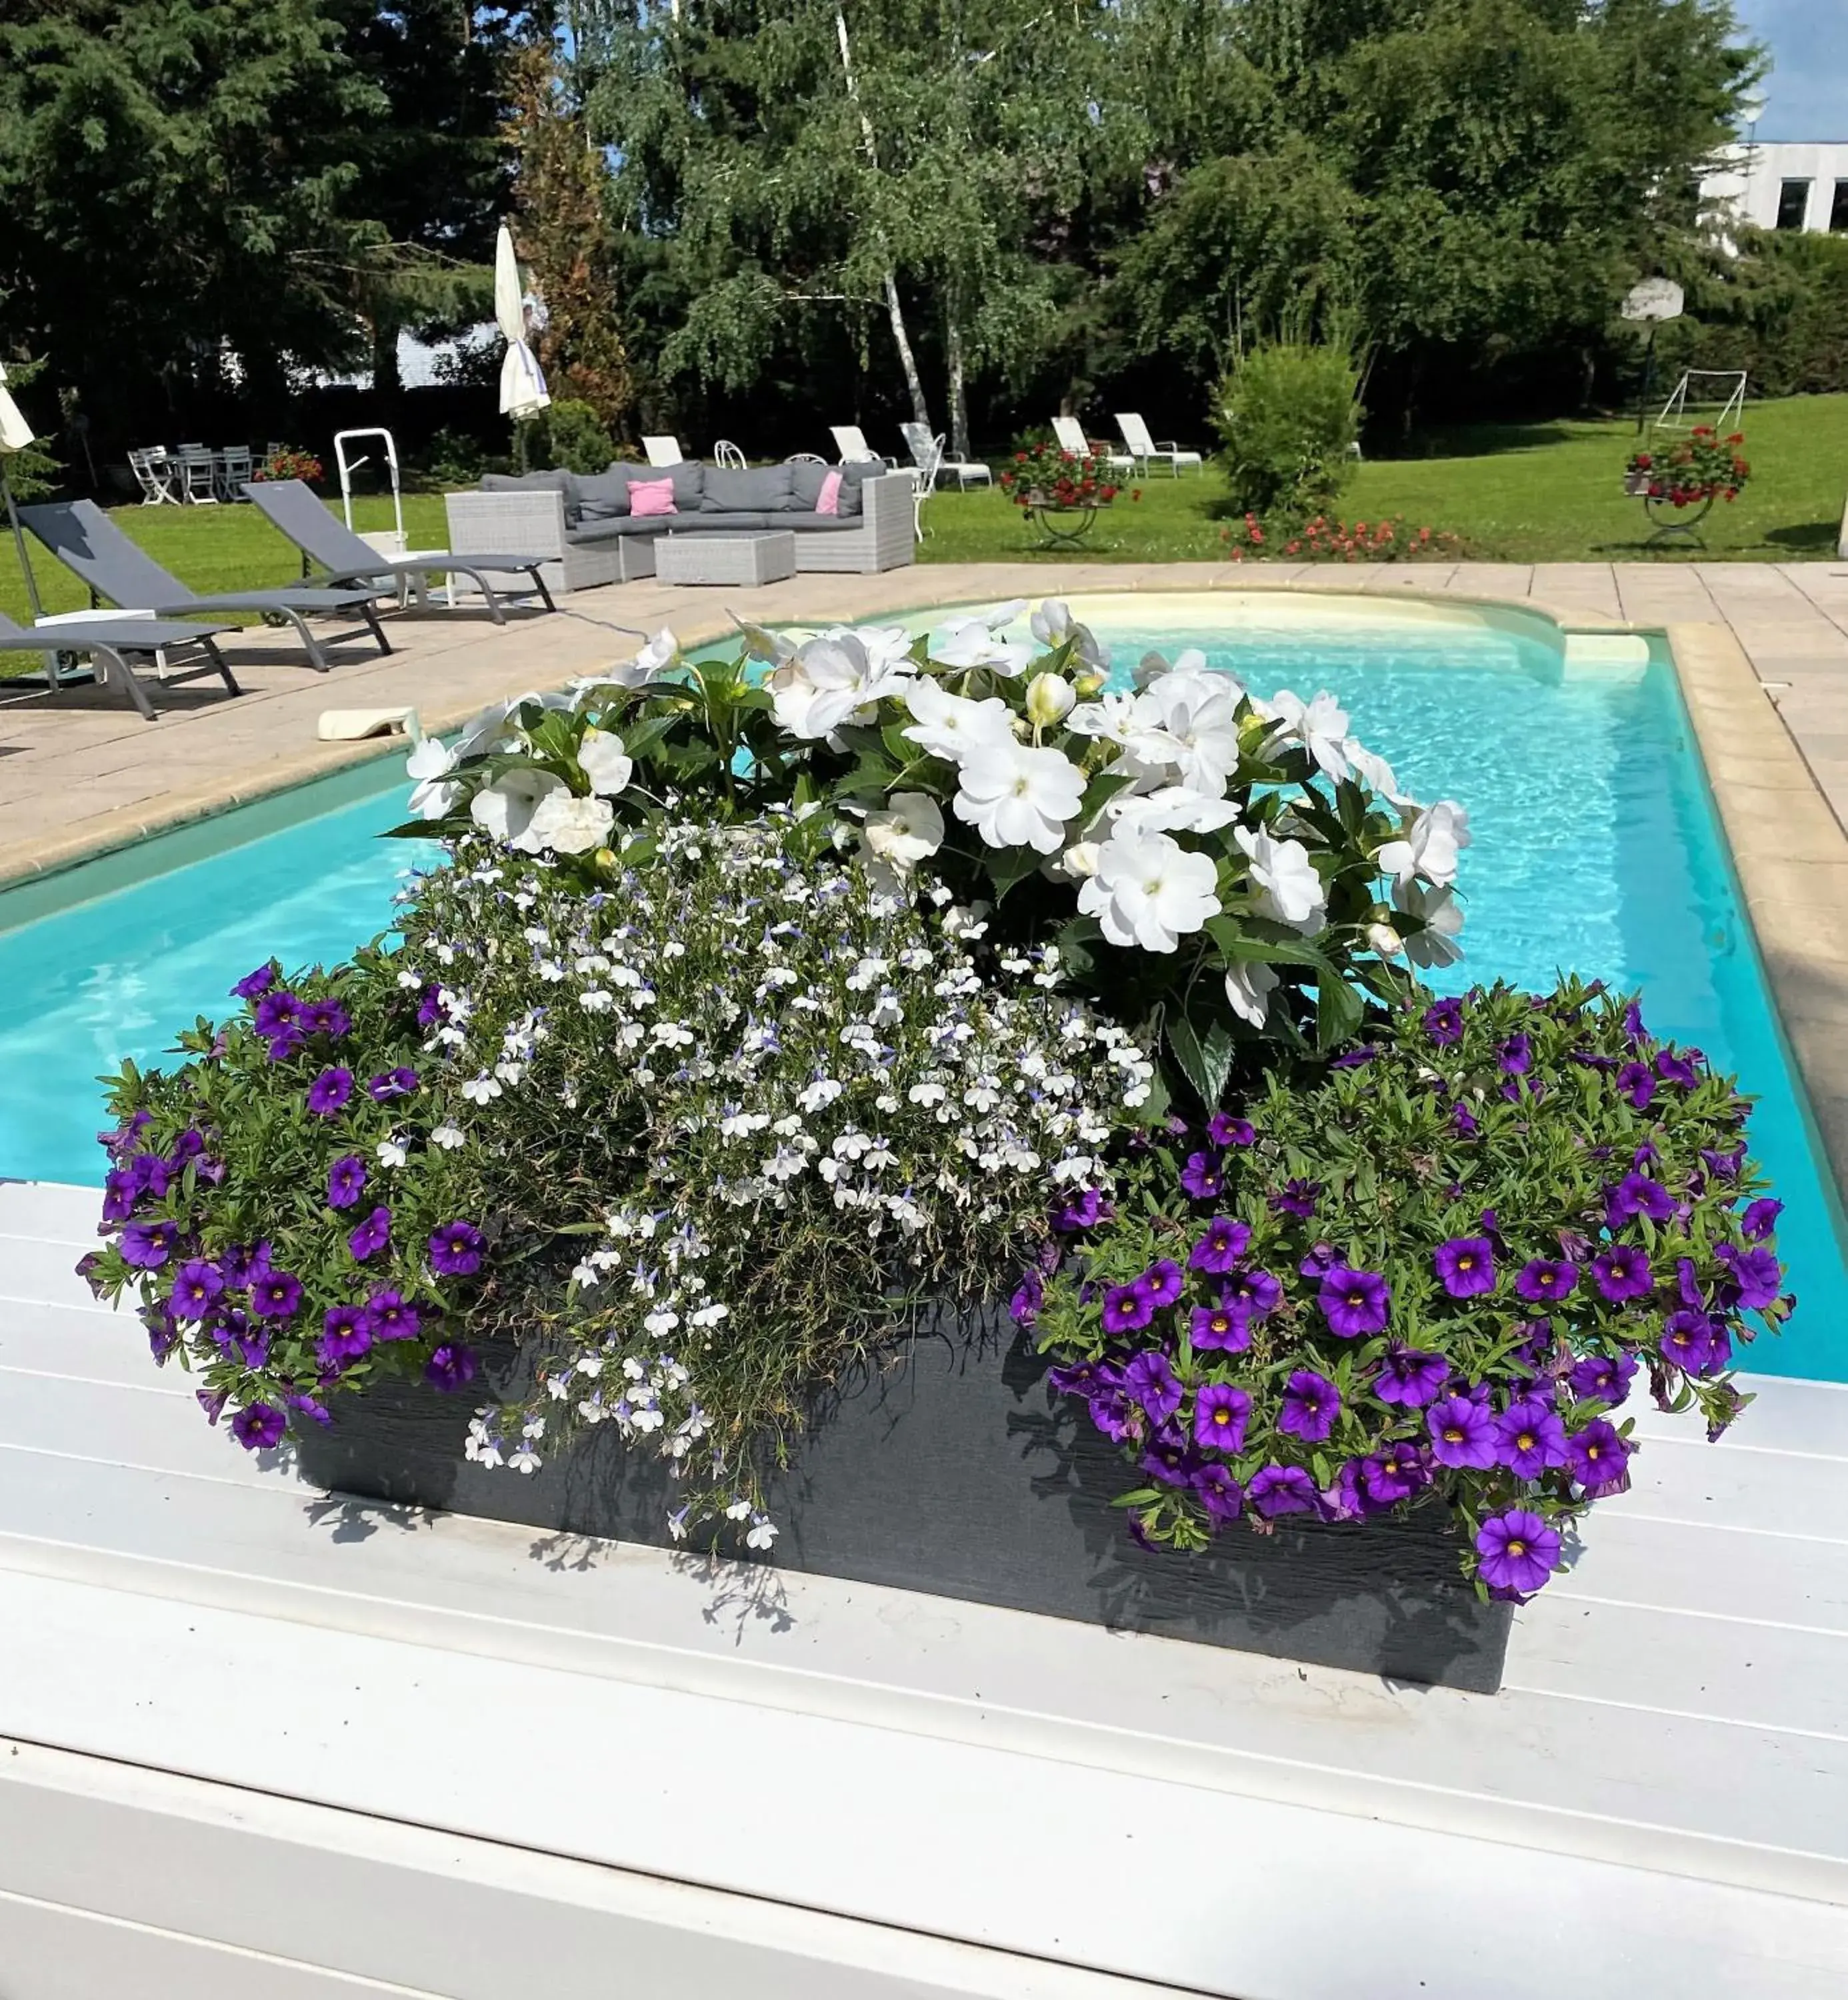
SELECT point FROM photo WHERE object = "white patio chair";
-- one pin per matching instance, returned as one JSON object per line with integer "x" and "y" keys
{"x": 198, "y": 475}
{"x": 664, "y": 451}
{"x": 805, "y": 458}
{"x": 1071, "y": 435}
{"x": 728, "y": 455}
{"x": 850, "y": 441}
{"x": 154, "y": 474}
{"x": 928, "y": 456}
{"x": 1146, "y": 451}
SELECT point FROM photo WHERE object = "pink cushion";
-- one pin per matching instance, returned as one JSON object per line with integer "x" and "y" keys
{"x": 828, "y": 502}
{"x": 651, "y": 496}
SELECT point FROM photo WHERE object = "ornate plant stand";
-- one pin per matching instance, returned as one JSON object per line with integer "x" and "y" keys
{"x": 1666, "y": 519}
{"x": 1061, "y": 526}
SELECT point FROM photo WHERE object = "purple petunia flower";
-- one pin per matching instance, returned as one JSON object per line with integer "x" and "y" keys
{"x": 1633, "y": 1022}
{"x": 326, "y": 1017}
{"x": 1221, "y": 1413}
{"x": 1125, "y": 1309}
{"x": 1387, "y": 1477}
{"x": 1604, "y": 1378}
{"x": 1637, "y": 1082}
{"x": 254, "y": 985}
{"x": 1636, "y": 1194}
{"x": 450, "y": 1367}
{"x": 344, "y": 1336}
{"x": 1252, "y": 1293}
{"x": 329, "y": 1091}
{"x": 1200, "y": 1177}
{"x": 1623, "y": 1272}
{"x": 1353, "y": 1058}
{"x": 1310, "y": 1404}
{"x": 1465, "y": 1266}
{"x": 1028, "y": 1295}
{"x": 1162, "y": 1283}
{"x": 1154, "y": 1383}
{"x": 1546, "y": 1278}
{"x": 1408, "y": 1378}
{"x": 197, "y": 1288}
{"x": 1463, "y": 1121}
{"x": 1443, "y": 1022}
{"x": 1354, "y": 1302}
{"x": 1220, "y": 1326}
{"x": 1516, "y": 1552}
{"x": 1169, "y": 1457}
{"x": 1757, "y": 1273}
{"x": 1462, "y": 1432}
{"x": 278, "y": 1012}
{"x": 258, "y": 1426}
{"x": 1600, "y": 1457}
{"x": 285, "y": 1042}
{"x": 390, "y": 1083}
{"x": 1220, "y": 1493}
{"x": 147, "y": 1245}
{"x": 1530, "y": 1439}
{"x": 1224, "y": 1131}
{"x": 1280, "y": 1489}
{"x": 371, "y": 1236}
{"x": 1223, "y": 1243}
{"x": 1695, "y": 1342}
{"x": 1724, "y": 1166}
{"x": 1760, "y": 1220}
{"x": 1515, "y": 1057}
{"x": 1319, "y": 1260}
{"x": 275, "y": 1295}
{"x": 1675, "y": 1069}
{"x": 1085, "y": 1210}
{"x": 119, "y": 1193}
{"x": 242, "y": 1267}
{"x": 346, "y": 1180}
{"x": 1299, "y": 1198}
{"x": 430, "y": 1009}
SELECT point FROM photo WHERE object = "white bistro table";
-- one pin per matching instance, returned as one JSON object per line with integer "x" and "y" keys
{"x": 741, "y": 558}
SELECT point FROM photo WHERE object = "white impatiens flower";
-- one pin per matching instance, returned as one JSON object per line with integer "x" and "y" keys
{"x": 1017, "y": 796}
{"x": 1149, "y": 891}
{"x": 963, "y": 643}
{"x": 1050, "y": 698}
{"x": 909, "y": 829}
{"x": 1292, "y": 890}
{"x": 1375, "y": 772}
{"x": 951, "y": 725}
{"x": 1249, "y": 985}
{"x": 606, "y": 763}
{"x": 1170, "y": 809}
{"x": 505, "y": 809}
{"x": 1053, "y": 624}
{"x": 1080, "y": 859}
{"x": 1440, "y": 913}
{"x": 1320, "y": 726}
{"x": 1188, "y": 723}
{"x": 657, "y": 655}
{"x": 837, "y": 677}
{"x": 762, "y": 643}
{"x": 430, "y": 764}
{"x": 566, "y": 823}
{"x": 1430, "y": 847}
{"x": 1384, "y": 939}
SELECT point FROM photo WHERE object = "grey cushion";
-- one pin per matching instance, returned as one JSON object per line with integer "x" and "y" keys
{"x": 525, "y": 482}
{"x": 767, "y": 490}
{"x": 600, "y": 495}
{"x": 806, "y": 483}
{"x": 611, "y": 526}
{"x": 746, "y": 521}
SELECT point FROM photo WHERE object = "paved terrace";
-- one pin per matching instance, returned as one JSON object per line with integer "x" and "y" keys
{"x": 1763, "y": 651}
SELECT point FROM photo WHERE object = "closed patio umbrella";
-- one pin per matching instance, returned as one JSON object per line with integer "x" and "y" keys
{"x": 15, "y": 435}
{"x": 523, "y": 386}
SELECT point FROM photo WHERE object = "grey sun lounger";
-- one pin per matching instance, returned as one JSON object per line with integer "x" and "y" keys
{"x": 115, "y": 643}
{"x": 87, "y": 542}
{"x": 290, "y": 507}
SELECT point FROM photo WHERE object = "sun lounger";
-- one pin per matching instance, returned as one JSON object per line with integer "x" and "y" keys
{"x": 324, "y": 538}
{"x": 87, "y": 543}
{"x": 115, "y": 643}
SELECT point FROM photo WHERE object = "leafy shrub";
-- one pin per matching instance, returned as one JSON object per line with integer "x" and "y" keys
{"x": 453, "y": 458}
{"x": 1288, "y": 413}
{"x": 1435, "y": 1272}
{"x": 572, "y": 436}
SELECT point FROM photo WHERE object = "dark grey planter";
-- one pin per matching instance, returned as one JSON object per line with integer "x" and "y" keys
{"x": 953, "y": 1469}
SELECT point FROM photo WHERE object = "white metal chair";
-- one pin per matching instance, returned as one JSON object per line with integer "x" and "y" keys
{"x": 850, "y": 441}
{"x": 1146, "y": 451}
{"x": 730, "y": 456}
{"x": 928, "y": 455}
{"x": 1071, "y": 435}
{"x": 805, "y": 458}
{"x": 154, "y": 474}
{"x": 663, "y": 451}
{"x": 198, "y": 476}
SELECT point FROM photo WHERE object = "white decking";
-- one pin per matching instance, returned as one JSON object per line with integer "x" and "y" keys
{"x": 252, "y": 1741}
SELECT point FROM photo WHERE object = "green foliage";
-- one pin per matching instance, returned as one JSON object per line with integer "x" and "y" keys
{"x": 452, "y": 458}
{"x": 570, "y": 435}
{"x": 34, "y": 472}
{"x": 1289, "y": 414}
{"x": 1778, "y": 309}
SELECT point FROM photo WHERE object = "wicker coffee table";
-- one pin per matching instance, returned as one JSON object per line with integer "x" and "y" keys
{"x": 762, "y": 558}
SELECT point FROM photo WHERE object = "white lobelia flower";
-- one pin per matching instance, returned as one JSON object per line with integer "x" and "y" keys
{"x": 1049, "y": 699}
{"x": 964, "y": 643}
{"x": 838, "y": 677}
{"x": 951, "y": 725}
{"x": 909, "y": 830}
{"x": 1017, "y": 796}
{"x": 1188, "y": 723}
{"x": 1170, "y": 809}
{"x": 606, "y": 763}
{"x": 567, "y": 824}
{"x": 1440, "y": 913}
{"x": 1053, "y": 624}
{"x": 392, "y": 1153}
{"x": 1430, "y": 847}
{"x": 1292, "y": 890}
{"x": 763, "y": 1532}
{"x": 505, "y": 809}
{"x": 430, "y": 764}
{"x": 446, "y": 1136}
{"x": 1320, "y": 726}
{"x": 1249, "y": 986}
{"x": 1149, "y": 891}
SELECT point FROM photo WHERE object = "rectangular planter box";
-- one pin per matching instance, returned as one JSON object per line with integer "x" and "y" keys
{"x": 951, "y": 1468}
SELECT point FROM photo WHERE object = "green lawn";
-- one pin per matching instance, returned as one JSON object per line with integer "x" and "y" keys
{"x": 1535, "y": 493}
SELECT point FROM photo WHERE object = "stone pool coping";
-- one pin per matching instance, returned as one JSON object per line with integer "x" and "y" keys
{"x": 1761, "y": 652}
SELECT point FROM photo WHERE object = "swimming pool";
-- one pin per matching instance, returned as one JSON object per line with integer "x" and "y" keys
{"x": 1597, "y": 849}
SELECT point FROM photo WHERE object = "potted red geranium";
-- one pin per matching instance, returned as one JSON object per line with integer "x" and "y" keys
{"x": 1060, "y": 491}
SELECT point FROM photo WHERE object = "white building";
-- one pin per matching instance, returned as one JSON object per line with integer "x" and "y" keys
{"x": 1783, "y": 185}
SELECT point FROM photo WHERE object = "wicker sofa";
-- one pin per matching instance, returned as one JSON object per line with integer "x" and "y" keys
{"x": 584, "y": 529}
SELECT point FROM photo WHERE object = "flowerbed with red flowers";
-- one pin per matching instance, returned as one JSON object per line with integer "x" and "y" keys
{"x": 1322, "y": 540}
{"x": 1702, "y": 466}
{"x": 1043, "y": 475}
{"x": 289, "y": 463}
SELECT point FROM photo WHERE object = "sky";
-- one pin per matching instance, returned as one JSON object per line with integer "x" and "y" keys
{"x": 1807, "y": 92}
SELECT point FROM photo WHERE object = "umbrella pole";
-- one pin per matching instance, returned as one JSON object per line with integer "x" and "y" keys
{"x": 12, "y": 516}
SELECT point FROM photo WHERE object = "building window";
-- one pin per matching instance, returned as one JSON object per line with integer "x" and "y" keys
{"x": 1838, "y": 213}
{"x": 1793, "y": 204}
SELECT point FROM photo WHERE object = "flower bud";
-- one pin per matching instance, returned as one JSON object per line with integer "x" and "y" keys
{"x": 1081, "y": 858}
{"x": 1091, "y": 683}
{"x": 605, "y": 859}
{"x": 1384, "y": 939}
{"x": 1049, "y": 699}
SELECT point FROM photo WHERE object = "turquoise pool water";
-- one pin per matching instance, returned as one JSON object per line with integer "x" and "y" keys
{"x": 1597, "y": 849}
